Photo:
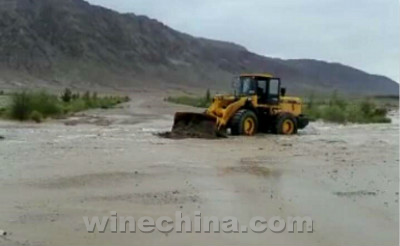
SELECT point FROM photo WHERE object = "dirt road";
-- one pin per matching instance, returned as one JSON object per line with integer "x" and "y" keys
{"x": 346, "y": 178}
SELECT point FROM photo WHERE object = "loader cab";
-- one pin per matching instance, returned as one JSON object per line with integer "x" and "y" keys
{"x": 266, "y": 87}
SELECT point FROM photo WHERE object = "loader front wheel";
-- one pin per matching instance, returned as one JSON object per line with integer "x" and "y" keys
{"x": 286, "y": 124}
{"x": 244, "y": 122}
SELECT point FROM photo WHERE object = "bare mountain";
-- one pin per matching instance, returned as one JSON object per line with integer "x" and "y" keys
{"x": 73, "y": 43}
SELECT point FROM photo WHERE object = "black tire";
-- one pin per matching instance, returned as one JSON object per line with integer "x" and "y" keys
{"x": 286, "y": 124}
{"x": 238, "y": 122}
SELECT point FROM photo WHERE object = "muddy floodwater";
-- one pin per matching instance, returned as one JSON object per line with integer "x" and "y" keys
{"x": 346, "y": 178}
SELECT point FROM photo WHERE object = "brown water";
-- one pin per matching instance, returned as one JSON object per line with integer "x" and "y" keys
{"x": 345, "y": 177}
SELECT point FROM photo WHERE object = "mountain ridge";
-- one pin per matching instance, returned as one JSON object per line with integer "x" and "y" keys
{"x": 74, "y": 43}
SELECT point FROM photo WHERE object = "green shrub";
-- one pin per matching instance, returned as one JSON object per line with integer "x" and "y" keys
{"x": 67, "y": 95}
{"x": 86, "y": 96}
{"x": 94, "y": 96}
{"x": 200, "y": 102}
{"x": 335, "y": 100}
{"x": 75, "y": 106}
{"x": 46, "y": 104}
{"x": 21, "y": 106}
{"x": 40, "y": 105}
{"x": 76, "y": 96}
{"x": 342, "y": 111}
{"x": 208, "y": 95}
{"x": 36, "y": 116}
{"x": 334, "y": 113}
{"x": 2, "y": 111}
{"x": 353, "y": 114}
{"x": 313, "y": 113}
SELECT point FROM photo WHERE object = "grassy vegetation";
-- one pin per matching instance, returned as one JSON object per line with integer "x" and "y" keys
{"x": 37, "y": 106}
{"x": 340, "y": 110}
{"x": 200, "y": 102}
{"x": 333, "y": 109}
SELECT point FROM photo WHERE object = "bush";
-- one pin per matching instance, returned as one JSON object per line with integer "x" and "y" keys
{"x": 67, "y": 95}
{"x": 334, "y": 113}
{"x": 40, "y": 105}
{"x": 342, "y": 111}
{"x": 24, "y": 103}
{"x": 94, "y": 96}
{"x": 21, "y": 106}
{"x": 336, "y": 101}
{"x": 88, "y": 101}
{"x": 75, "y": 106}
{"x": 36, "y": 116}
{"x": 200, "y": 102}
{"x": 86, "y": 96}
{"x": 3, "y": 111}
{"x": 46, "y": 104}
{"x": 208, "y": 95}
{"x": 76, "y": 96}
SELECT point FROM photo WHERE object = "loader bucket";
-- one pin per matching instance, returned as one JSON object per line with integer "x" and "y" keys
{"x": 194, "y": 125}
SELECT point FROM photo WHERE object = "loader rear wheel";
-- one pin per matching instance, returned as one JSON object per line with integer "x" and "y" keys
{"x": 244, "y": 122}
{"x": 286, "y": 124}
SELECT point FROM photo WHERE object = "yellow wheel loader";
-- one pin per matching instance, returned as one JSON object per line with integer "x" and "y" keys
{"x": 258, "y": 104}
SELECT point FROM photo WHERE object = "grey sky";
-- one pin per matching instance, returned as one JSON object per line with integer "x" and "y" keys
{"x": 364, "y": 34}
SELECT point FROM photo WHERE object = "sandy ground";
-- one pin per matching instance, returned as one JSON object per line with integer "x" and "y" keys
{"x": 346, "y": 178}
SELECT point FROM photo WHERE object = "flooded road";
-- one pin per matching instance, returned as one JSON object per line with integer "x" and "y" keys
{"x": 346, "y": 178}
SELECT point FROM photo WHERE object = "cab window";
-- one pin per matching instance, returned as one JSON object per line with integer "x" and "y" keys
{"x": 262, "y": 87}
{"x": 274, "y": 87}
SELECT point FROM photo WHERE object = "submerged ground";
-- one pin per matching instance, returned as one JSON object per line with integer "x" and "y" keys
{"x": 346, "y": 178}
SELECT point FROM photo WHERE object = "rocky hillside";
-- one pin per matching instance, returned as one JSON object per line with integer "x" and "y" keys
{"x": 72, "y": 43}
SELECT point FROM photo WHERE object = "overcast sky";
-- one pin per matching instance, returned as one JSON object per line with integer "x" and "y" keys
{"x": 361, "y": 33}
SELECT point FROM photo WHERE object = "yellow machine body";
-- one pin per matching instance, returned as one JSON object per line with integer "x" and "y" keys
{"x": 224, "y": 107}
{"x": 263, "y": 105}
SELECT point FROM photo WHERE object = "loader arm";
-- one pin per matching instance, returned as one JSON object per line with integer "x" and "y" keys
{"x": 223, "y": 109}
{"x": 211, "y": 123}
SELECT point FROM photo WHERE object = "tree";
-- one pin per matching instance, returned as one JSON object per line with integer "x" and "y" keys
{"x": 208, "y": 95}
{"x": 67, "y": 95}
